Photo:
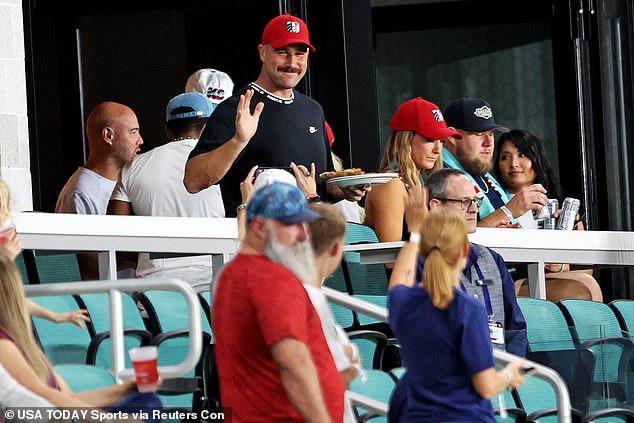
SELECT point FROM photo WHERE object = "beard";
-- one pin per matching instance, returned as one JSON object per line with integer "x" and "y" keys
{"x": 299, "y": 258}
{"x": 473, "y": 166}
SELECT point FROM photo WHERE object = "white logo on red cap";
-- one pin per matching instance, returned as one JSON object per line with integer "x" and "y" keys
{"x": 483, "y": 112}
{"x": 292, "y": 26}
{"x": 437, "y": 115}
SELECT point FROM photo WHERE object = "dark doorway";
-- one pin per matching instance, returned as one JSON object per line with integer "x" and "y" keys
{"x": 137, "y": 53}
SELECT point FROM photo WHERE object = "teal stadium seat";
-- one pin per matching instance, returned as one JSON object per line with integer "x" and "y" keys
{"x": 63, "y": 343}
{"x": 56, "y": 266}
{"x": 366, "y": 281}
{"x": 546, "y": 326}
{"x": 539, "y": 401}
{"x": 624, "y": 311}
{"x": 596, "y": 327}
{"x": 372, "y": 346}
{"x": 345, "y": 317}
{"x": 84, "y": 378}
{"x": 189, "y": 391}
{"x": 377, "y": 385}
{"x": 168, "y": 310}
{"x": 513, "y": 412}
{"x": 21, "y": 264}
{"x": 135, "y": 332}
{"x": 550, "y": 342}
{"x": 168, "y": 315}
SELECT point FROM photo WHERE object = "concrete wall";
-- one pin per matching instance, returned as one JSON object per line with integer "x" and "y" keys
{"x": 14, "y": 135}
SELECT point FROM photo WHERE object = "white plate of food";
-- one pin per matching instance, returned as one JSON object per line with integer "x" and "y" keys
{"x": 363, "y": 179}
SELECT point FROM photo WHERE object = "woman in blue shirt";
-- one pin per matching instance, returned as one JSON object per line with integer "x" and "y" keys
{"x": 444, "y": 334}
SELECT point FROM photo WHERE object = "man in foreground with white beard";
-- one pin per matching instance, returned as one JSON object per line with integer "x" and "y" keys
{"x": 273, "y": 360}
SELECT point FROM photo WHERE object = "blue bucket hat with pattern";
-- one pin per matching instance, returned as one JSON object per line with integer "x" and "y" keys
{"x": 282, "y": 202}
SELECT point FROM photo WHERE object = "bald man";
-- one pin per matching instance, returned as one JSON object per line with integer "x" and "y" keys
{"x": 114, "y": 139}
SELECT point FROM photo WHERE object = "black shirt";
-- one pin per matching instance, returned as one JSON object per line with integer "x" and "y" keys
{"x": 289, "y": 130}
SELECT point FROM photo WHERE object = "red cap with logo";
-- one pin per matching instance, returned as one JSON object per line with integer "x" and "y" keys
{"x": 423, "y": 117}
{"x": 285, "y": 30}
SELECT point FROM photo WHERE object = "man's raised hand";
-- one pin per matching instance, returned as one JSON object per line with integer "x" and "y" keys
{"x": 247, "y": 123}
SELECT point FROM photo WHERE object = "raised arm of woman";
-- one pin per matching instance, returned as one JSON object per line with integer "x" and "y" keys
{"x": 77, "y": 317}
{"x": 404, "y": 270}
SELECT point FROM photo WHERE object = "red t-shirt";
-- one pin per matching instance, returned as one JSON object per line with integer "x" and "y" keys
{"x": 258, "y": 303}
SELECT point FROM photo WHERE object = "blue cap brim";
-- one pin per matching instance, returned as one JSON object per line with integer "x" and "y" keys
{"x": 306, "y": 215}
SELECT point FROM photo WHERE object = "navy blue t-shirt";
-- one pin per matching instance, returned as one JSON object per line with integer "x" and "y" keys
{"x": 288, "y": 131}
{"x": 442, "y": 350}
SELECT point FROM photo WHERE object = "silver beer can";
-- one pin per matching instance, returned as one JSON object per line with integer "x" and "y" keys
{"x": 568, "y": 216}
{"x": 549, "y": 220}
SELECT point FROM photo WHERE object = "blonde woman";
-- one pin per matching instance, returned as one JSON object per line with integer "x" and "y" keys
{"x": 413, "y": 152}
{"x": 10, "y": 247}
{"x": 26, "y": 363}
{"x": 443, "y": 332}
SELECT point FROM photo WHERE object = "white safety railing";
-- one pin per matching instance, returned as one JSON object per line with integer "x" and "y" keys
{"x": 218, "y": 237}
{"x": 532, "y": 246}
{"x": 501, "y": 357}
{"x": 110, "y": 234}
{"x": 114, "y": 288}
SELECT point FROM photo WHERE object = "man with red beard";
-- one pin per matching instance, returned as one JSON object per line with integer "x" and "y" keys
{"x": 473, "y": 119}
{"x": 267, "y": 123}
{"x": 273, "y": 360}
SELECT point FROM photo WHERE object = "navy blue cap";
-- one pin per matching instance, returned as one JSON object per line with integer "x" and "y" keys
{"x": 280, "y": 201}
{"x": 472, "y": 114}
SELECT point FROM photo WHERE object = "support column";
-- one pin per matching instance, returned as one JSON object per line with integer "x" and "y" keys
{"x": 14, "y": 130}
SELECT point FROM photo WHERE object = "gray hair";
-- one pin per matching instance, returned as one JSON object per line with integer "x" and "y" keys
{"x": 437, "y": 183}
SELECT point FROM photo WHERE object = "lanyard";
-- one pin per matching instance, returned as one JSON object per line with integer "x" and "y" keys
{"x": 485, "y": 290}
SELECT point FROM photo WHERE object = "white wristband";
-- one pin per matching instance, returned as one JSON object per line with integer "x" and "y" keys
{"x": 415, "y": 238}
{"x": 507, "y": 212}
{"x": 508, "y": 374}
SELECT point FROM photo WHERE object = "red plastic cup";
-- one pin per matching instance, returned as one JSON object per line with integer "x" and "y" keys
{"x": 144, "y": 361}
{"x": 7, "y": 233}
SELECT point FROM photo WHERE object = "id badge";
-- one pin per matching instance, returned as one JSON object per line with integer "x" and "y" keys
{"x": 496, "y": 332}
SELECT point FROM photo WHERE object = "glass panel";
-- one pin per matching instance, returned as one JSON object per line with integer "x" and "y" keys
{"x": 615, "y": 38}
{"x": 514, "y": 73}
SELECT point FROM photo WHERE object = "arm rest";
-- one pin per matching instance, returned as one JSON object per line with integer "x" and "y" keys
{"x": 576, "y": 416}
{"x": 610, "y": 412}
{"x": 608, "y": 340}
{"x": 519, "y": 415}
{"x": 142, "y": 335}
{"x": 180, "y": 385}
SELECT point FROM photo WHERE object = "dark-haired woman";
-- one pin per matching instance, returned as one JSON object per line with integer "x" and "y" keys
{"x": 520, "y": 160}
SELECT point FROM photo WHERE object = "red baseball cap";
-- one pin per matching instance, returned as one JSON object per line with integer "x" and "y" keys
{"x": 423, "y": 117}
{"x": 285, "y": 30}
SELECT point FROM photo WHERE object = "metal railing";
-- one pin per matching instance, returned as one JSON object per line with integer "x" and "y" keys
{"x": 501, "y": 357}
{"x": 114, "y": 288}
